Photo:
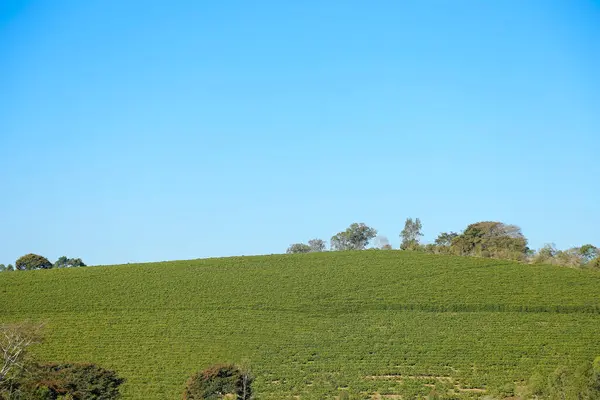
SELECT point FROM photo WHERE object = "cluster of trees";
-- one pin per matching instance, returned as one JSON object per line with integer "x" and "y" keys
{"x": 491, "y": 239}
{"x": 35, "y": 261}
{"x": 356, "y": 237}
{"x": 586, "y": 255}
{"x": 582, "y": 382}
{"x": 22, "y": 377}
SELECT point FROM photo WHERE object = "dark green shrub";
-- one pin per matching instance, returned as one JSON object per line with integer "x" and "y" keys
{"x": 582, "y": 382}
{"x": 222, "y": 381}
{"x": 32, "y": 261}
{"x": 73, "y": 381}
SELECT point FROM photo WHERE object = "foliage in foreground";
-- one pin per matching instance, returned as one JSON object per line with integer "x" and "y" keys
{"x": 22, "y": 377}
{"x": 64, "y": 382}
{"x": 582, "y": 383}
{"x": 15, "y": 341}
{"x": 220, "y": 381}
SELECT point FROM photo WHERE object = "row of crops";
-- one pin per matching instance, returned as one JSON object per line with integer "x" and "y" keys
{"x": 318, "y": 324}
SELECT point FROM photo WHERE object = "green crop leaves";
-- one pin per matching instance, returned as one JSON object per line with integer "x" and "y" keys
{"x": 316, "y": 325}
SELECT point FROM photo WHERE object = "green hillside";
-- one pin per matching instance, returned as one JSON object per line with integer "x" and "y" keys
{"x": 385, "y": 322}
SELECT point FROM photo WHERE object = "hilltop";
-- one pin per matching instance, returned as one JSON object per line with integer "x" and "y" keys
{"x": 310, "y": 325}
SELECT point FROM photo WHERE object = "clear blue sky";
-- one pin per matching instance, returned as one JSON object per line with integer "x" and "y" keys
{"x": 160, "y": 130}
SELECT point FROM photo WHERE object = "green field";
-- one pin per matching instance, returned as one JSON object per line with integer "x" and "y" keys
{"x": 387, "y": 322}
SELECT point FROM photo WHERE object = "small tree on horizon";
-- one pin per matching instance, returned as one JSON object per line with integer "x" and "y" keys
{"x": 64, "y": 262}
{"x": 32, "y": 261}
{"x": 297, "y": 248}
{"x": 410, "y": 234}
{"x": 316, "y": 245}
{"x": 355, "y": 237}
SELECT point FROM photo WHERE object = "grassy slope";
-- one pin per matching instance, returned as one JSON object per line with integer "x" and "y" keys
{"x": 310, "y": 324}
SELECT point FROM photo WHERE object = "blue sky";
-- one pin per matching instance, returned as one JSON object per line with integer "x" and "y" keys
{"x": 154, "y": 130}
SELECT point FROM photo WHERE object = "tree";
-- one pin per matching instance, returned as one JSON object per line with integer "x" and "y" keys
{"x": 491, "y": 239}
{"x": 64, "y": 262}
{"x": 2, "y": 267}
{"x": 32, "y": 261}
{"x": 589, "y": 252}
{"x": 220, "y": 382}
{"x": 15, "y": 340}
{"x": 445, "y": 239}
{"x": 545, "y": 255}
{"x": 570, "y": 258}
{"x": 61, "y": 262}
{"x": 582, "y": 382}
{"x": 410, "y": 234}
{"x": 355, "y": 237}
{"x": 77, "y": 381}
{"x": 76, "y": 262}
{"x": 316, "y": 245}
{"x": 298, "y": 248}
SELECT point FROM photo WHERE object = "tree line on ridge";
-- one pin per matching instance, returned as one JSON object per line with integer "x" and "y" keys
{"x": 489, "y": 239}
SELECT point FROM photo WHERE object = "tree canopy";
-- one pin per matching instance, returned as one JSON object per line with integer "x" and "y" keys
{"x": 410, "y": 234}
{"x": 491, "y": 239}
{"x": 64, "y": 262}
{"x": 316, "y": 245}
{"x": 298, "y": 248}
{"x": 355, "y": 237}
{"x": 32, "y": 261}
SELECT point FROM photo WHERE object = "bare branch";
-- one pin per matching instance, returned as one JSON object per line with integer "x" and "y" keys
{"x": 14, "y": 342}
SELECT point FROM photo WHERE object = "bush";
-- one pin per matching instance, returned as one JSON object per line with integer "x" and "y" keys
{"x": 218, "y": 382}
{"x": 594, "y": 264}
{"x": 73, "y": 381}
{"x": 32, "y": 261}
{"x": 298, "y": 248}
{"x": 582, "y": 382}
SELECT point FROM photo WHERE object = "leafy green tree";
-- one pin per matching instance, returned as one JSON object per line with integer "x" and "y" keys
{"x": 545, "y": 255}
{"x": 316, "y": 245}
{"x": 583, "y": 256}
{"x": 61, "y": 262}
{"x": 64, "y": 262}
{"x": 442, "y": 244}
{"x": 298, "y": 248}
{"x": 491, "y": 239}
{"x": 32, "y": 261}
{"x": 74, "y": 381}
{"x": 410, "y": 234}
{"x": 355, "y": 237}
{"x": 589, "y": 252}
{"x": 2, "y": 267}
{"x": 445, "y": 239}
{"x": 565, "y": 383}
{"x": 76, "y": 262}
{"x": 570, "y": 258}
